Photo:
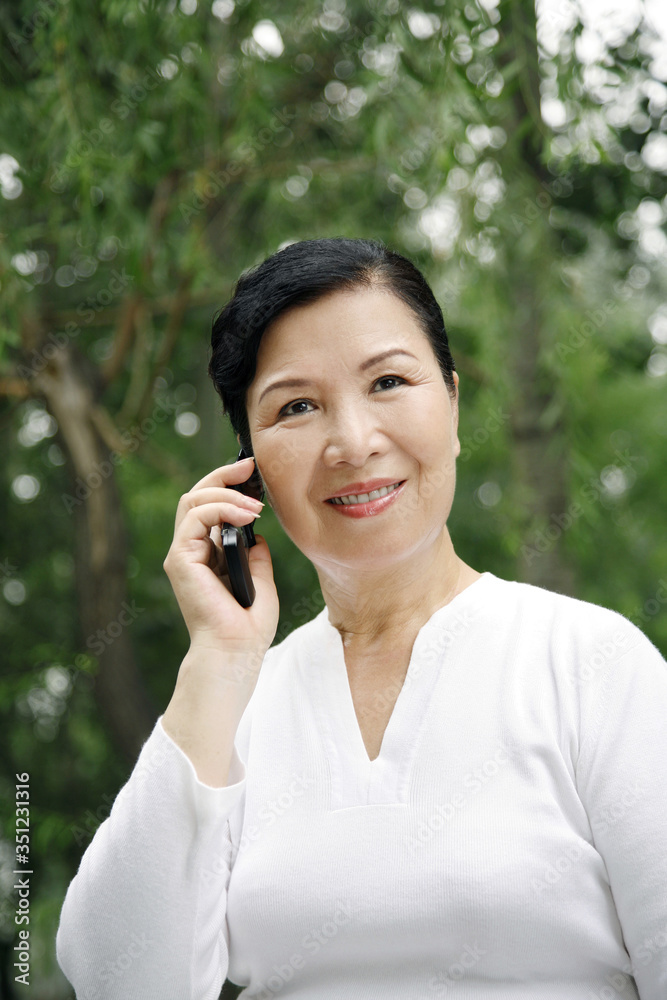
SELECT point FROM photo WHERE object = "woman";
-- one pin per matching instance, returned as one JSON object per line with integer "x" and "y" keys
{"x": 445, "y": 782}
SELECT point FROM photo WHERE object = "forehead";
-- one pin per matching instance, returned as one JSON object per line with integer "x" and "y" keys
{"x": 357, "y": 322}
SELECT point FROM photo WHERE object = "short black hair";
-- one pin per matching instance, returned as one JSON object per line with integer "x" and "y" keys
{"x": 300, "y": 273}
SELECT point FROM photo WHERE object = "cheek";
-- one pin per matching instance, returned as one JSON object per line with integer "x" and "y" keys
{"x": 435, "y": 450}
{"x": 426, "y": 413}
{"x": 275, "y": 457}
{"x": 282, "y": 469}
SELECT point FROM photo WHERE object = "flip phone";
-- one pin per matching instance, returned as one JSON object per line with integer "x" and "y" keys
{"x": 236, "y": 541}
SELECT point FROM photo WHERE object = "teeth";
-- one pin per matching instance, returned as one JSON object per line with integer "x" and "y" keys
{"x": 353, "y": 498}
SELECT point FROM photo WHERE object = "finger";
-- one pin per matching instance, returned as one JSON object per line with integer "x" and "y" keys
{"x": 214, "y": 557}
{"x": 235, "y": 473}
{"x": 211, "y": 494}
{"x": 192, "y": 543}
{"x": 217, "y": 558}
{"x": 198, "y": 521}
{"x": 215, "y": 554}
{"x": 259, "y": 560}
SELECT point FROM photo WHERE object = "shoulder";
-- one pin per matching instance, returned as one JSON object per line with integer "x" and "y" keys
{"x": 568, "y": 622}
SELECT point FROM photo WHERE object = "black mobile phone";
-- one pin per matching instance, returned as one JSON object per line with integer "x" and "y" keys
{"x": 236, "y": 541}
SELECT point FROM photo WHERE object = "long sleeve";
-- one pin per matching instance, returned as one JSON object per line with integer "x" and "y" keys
{"x": 145, "y": 915}
{"x": 622, "y": 779}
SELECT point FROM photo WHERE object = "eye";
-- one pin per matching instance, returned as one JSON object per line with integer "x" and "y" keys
{"x": 391, "y": 378}
{"x": 284, "y": 412}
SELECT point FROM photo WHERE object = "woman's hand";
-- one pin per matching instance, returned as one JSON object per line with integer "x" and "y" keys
{"x": 196, "y": 568}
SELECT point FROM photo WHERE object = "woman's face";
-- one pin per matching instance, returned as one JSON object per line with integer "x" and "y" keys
{"x": 367, "y": 401}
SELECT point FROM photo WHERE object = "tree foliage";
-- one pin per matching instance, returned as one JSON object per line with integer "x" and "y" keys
{"x": 151, "y": 152}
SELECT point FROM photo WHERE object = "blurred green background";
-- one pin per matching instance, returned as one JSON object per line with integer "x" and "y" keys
{"x": 150, "y": 152}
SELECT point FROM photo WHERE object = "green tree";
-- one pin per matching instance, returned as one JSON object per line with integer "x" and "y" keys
{"x": 148, "y": 154}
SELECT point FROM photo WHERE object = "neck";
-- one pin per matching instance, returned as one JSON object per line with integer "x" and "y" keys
{"x": 380, "y": 608}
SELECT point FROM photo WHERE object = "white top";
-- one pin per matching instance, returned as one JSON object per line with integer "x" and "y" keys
{"x": 509, "y": 841}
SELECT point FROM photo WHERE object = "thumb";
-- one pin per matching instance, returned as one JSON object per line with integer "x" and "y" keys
{"x": 259, "y": 559}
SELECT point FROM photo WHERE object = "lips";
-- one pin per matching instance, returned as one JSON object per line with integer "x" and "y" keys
{"x": 365, "y": 497}
{"x": 360, "y": 488}
{"x": 372, "y": 507}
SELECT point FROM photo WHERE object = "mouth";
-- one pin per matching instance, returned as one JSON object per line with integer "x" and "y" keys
{"x": 351, "y": 499}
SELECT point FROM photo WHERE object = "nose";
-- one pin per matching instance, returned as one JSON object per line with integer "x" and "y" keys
{"x": 353, "y": 435}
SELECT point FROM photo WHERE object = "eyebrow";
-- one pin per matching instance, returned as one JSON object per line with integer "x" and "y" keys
{"x": 298, "y": 383}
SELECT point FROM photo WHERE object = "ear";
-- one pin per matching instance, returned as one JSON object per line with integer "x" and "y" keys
{"x": 238, "y": 438}
{"x": 455, "y": 415}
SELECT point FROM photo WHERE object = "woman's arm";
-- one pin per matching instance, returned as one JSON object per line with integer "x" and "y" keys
{"x": 145, "y": 915}
{"x": 622, "y": 780}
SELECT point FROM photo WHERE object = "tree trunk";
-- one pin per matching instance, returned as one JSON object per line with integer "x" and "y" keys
{"x": 105, "y": 613}
{"x": 539, "y": 459}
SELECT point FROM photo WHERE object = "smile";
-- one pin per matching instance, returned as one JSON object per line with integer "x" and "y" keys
{"x": 353, "y": 498}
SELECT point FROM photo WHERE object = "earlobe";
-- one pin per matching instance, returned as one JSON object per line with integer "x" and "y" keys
{"x": 455, "y": 416}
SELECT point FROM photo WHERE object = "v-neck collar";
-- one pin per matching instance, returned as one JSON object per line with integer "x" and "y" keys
{"x": 357, "y": 780}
